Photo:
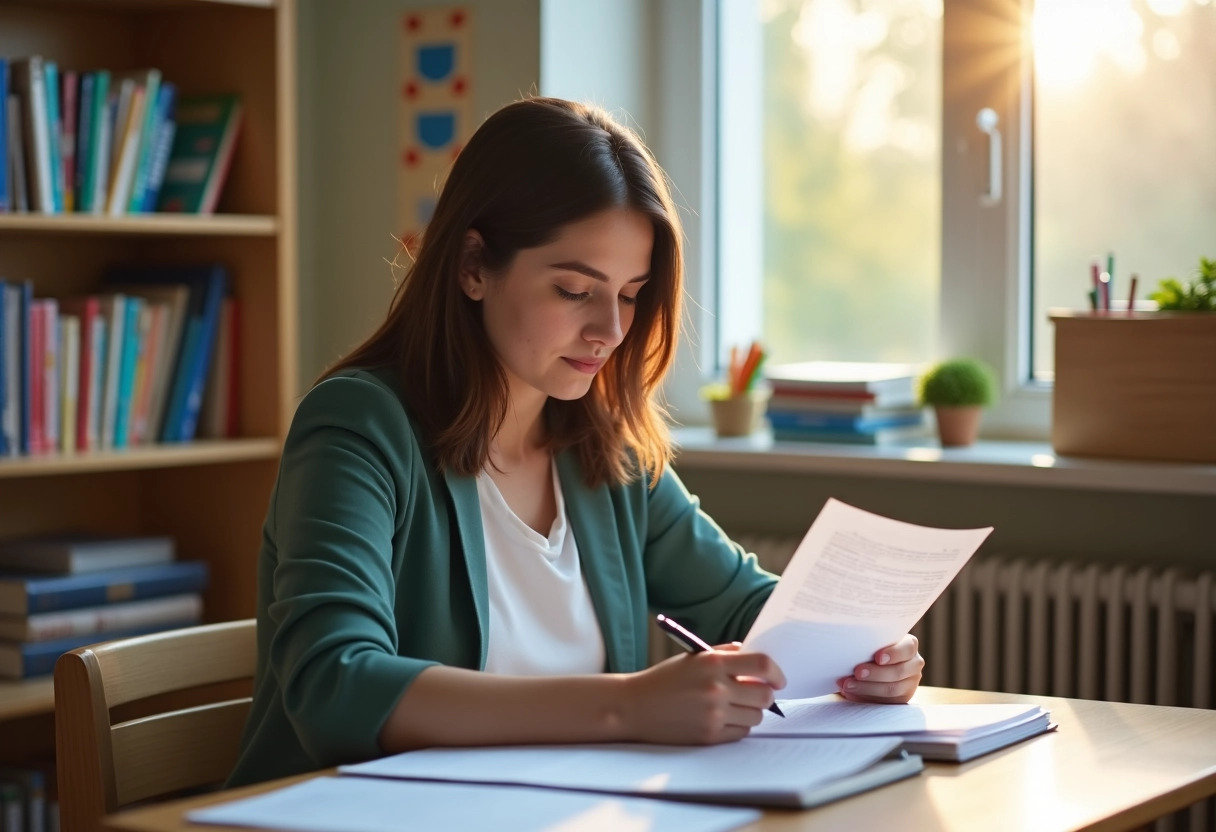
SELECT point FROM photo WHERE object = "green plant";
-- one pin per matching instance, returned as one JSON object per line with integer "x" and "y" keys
{"x": 957, "y": 382}
{"x": 1199, "y": 295}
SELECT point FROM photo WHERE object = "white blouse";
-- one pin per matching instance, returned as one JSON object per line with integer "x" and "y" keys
{"x": 542, "y": 622}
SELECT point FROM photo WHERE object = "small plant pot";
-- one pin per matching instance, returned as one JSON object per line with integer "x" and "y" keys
{"x": 739, "y": 415}
{"x": 958, "y": 426}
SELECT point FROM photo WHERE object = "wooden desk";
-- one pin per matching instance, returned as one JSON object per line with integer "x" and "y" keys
{"x": 1110, "y": 766}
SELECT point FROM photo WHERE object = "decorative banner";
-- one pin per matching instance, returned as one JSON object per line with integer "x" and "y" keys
{"x": 436, "y": 109}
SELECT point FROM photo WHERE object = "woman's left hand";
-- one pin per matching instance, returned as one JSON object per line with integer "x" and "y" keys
{"x": 891, "y": 678}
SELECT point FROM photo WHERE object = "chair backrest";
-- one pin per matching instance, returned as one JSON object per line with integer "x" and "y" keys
{"x": 102, "y": 764}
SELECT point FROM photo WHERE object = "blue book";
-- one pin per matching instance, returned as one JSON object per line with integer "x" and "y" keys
{"x": 6, "y": 198}
{"x": 24, "y": 594}
{"x": 131, "y": 346}
{"x": 208, "y": 285}
{"x": 839, "y": 422}
{"x": 166, "y": 105}
{"x": 21, "y": 660}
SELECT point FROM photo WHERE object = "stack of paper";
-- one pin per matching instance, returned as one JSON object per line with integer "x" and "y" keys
{"x": 936, "y": 732}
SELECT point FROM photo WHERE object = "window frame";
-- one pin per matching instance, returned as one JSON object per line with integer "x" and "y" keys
{"x": 986, "y": 254}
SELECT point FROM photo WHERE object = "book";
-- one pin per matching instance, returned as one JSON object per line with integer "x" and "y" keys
{"x": 21, "y": 660}
{"x": 77, "y": 554}
{"x": 16, "y": 163}
{"x": 878, "y": 436}
{"x": 28, "y": 83}
{"x": 751, "y": 772}
{"x": 340, "y": 804}
{"x": 26, "y": 594}
{"x": 208, "y": 285}
{"x": 26, "y": 796}
{"x": 105, "y": 618}
{"x": 6, "y": 185}
{"x": 895, "y": 382}
{"x": 203, "y": 146}
{"x": 953, "y": 733}
{"x": 841, "y": 422}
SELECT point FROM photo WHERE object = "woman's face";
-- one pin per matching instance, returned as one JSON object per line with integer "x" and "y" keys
{"x": 557, "y": 313}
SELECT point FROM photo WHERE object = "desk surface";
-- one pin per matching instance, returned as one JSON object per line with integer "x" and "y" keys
{"x": 1110, "y": 766}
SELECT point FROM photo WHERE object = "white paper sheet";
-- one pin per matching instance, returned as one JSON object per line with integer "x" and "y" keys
{"x": 362, "y": 804}
{"x": 750, "y": 768}
{"x": 857, "y": 582}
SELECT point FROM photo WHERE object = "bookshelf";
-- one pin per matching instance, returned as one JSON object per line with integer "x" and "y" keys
{"x": 210, "y": 495}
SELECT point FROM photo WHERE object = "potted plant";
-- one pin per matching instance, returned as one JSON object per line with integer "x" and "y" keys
{"x": 958, "y": 390}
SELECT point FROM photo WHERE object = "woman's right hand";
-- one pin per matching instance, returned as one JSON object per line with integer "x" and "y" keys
{"x": 701, "y": 698}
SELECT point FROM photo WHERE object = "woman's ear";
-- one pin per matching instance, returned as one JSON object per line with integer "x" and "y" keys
{"x": 471, "y": 280}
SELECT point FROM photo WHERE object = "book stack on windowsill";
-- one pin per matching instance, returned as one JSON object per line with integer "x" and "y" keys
{"x": 67, "y": 591}
{"x": 856, "y": 403}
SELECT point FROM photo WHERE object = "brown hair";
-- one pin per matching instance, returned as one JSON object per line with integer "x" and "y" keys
{"x": 533, "y": 167}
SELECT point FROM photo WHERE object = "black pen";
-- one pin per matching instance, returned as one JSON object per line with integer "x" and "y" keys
{"x": 693, "y": 644}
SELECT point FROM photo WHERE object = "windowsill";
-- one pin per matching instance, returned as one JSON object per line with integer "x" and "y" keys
{"x": 995, "y": 462}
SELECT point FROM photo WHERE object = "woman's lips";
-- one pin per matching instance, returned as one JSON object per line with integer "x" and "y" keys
{"x": 589, "y": 366}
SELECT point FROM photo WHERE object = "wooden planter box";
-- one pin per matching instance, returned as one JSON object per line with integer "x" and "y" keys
{"x": 1139, "y": 386}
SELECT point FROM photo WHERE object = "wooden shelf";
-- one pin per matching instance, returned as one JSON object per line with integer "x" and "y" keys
{"x": 142, "y": 5}
{"x": 199, "y": 452}
{"x": 27, "y": 697}
{"x": 218, "y": 225}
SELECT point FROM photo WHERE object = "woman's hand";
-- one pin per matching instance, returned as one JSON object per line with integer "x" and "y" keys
{"x": 701, "y": 698}
{"x": 891, "y": 678}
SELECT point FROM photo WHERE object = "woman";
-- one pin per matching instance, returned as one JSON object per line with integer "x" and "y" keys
{"x": 483, "y": 485}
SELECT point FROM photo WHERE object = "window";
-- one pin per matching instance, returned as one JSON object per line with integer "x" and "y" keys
{"x": 1125, "y": 111}
{"x": 852, "y": 201}
{"x": 855, "y": 166}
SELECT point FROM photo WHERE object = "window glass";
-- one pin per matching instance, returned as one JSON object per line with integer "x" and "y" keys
{"x": 852, "y": 178}
{"x": 1124, "y": 148}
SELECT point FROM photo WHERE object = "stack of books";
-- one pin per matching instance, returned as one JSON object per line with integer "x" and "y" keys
{"x": 152, "y": 360}
{"x": 109, "y": 143}
{"x": 857, "y": 403}
{"x": 61, "y": 592}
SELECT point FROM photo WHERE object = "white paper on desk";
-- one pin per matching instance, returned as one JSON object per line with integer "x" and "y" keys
{"x": 751, "y": 770}
{"x": 362, "y": 804}
{"x": 857, "y": 582}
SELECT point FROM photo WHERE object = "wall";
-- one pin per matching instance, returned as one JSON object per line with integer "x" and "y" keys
{"x": 1065, "y": 523}
{"x": 348, "y": 53}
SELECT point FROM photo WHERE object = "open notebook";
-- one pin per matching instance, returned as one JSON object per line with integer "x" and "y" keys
{"x": 936, "y": 732}
{"x": 793, "y": 773}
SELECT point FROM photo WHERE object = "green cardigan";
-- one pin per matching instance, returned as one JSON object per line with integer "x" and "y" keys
{"x": 372, "y": 568}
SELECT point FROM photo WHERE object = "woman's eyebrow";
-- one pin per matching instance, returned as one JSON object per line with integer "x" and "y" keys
{"x": 594, "y": 274}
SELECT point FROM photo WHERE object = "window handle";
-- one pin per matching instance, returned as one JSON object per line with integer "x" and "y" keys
{"x": 987, "y": 120}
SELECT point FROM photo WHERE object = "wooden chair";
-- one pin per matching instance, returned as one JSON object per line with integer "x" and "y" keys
{"x": 106, "y": 759}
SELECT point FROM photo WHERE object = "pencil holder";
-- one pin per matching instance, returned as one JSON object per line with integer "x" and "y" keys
{"x": 739, "y": 415}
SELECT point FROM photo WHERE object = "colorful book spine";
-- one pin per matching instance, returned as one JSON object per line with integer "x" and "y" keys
{"x": 26, "y": 595}
{"x": 54, "y": 129}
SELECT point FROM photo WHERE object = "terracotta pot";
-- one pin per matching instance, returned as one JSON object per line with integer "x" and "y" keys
{"x": 958, "y": 426}
{"x": 740, "y": 415}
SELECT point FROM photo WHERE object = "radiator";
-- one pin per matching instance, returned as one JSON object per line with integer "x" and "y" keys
{"x": 1086, "y": 631}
